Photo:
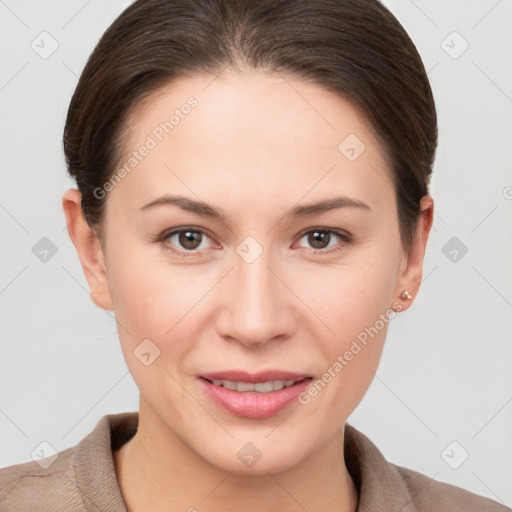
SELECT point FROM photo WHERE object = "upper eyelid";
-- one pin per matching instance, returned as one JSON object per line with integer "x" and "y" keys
{"x": 336, "y": 231}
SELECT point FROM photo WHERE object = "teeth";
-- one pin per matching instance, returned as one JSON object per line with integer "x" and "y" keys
{"x": 244, "y": 386}
{"x": 277, "y": 385}
{"x": 260, "y": 387}
{"x": 264, "y": 387}
{"x": 228, "y": 384}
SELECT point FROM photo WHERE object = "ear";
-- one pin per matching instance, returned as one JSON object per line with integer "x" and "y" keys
{"x": 88, "y": 248}
{"x": 411, "y": 275}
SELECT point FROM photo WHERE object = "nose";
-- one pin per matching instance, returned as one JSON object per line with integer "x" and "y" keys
{"x": 257, "y": 306}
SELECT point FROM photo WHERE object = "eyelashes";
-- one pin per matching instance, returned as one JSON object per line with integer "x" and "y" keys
{"x": 190, "y": 235}
{"x": 345, "y": 238}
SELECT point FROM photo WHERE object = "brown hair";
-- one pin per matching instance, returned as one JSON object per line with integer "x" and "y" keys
{"x": 354, "y": 48}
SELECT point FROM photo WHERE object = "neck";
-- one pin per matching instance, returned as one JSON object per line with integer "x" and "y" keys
{"x": 155, "y": 468}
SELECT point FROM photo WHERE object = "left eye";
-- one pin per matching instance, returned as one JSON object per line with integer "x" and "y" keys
{"x": 321, "y": 238}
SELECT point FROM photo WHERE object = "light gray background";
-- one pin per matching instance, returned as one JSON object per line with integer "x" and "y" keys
{"x": 446, "y": 370}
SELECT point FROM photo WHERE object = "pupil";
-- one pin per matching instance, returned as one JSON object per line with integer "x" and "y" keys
{"x": 188, "y": 239}
{"x": 317, "y": 237}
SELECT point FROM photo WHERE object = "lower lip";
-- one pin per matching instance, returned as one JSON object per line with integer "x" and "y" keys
{"x": 251, "y": 404}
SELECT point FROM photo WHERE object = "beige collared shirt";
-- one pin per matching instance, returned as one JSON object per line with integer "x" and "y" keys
{"x": 83, "y": 478}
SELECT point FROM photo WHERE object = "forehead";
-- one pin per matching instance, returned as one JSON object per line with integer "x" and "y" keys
{"x": 255, "y": 132}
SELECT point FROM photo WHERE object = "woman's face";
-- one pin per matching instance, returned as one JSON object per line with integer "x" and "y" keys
{"x": 252, "y": 288}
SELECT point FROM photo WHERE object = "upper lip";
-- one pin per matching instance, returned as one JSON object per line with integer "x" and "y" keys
{"x": 265, "y": 376}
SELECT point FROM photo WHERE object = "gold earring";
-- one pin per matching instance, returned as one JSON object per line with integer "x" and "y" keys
{"x": 405, "y": 295}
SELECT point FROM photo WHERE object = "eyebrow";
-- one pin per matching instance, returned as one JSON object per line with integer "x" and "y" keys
{"x": 205, "y": 210}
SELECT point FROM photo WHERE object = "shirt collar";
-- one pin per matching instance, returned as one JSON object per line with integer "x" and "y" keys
{"x": 380, "y": 486}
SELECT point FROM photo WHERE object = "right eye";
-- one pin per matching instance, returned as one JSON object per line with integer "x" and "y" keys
{"x": 184, "y": 240}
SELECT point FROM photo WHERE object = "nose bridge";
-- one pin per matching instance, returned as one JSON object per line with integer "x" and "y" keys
{"x": 257, "y": 310}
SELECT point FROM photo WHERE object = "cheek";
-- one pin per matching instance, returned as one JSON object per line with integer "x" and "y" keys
{"x": 157, "y": 301}
{"x": 144, "y": 300}
{"x": 353, "y": 296}
{"x": 359, "y": 316}
{"x": 154, "y": 328}
{"x": 354, "y": 301}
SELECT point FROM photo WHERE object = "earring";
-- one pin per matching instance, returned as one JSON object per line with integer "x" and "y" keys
{"x": 405, "y": 295}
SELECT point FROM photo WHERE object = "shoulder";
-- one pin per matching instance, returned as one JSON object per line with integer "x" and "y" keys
{"x": 428, "y": 494}
{"x": 46, "y": 484}
{"x": 386, "y": 486}
{"x": 77, "y": 479}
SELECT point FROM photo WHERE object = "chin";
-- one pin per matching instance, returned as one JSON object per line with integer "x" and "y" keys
{"x": 243, "y": 457}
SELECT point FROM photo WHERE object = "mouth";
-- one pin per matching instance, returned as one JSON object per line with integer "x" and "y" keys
{"x": 260, "y": 387}
{"x": 254, "y": 396}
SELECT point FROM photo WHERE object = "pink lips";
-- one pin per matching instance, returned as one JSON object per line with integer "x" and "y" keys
{"x": 254, "y": 404}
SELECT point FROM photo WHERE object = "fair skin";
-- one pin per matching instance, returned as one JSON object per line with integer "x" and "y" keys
{"x": 255, "y": 147}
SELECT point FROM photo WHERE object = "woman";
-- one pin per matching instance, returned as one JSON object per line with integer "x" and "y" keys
{"x": 252, "y": 202}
